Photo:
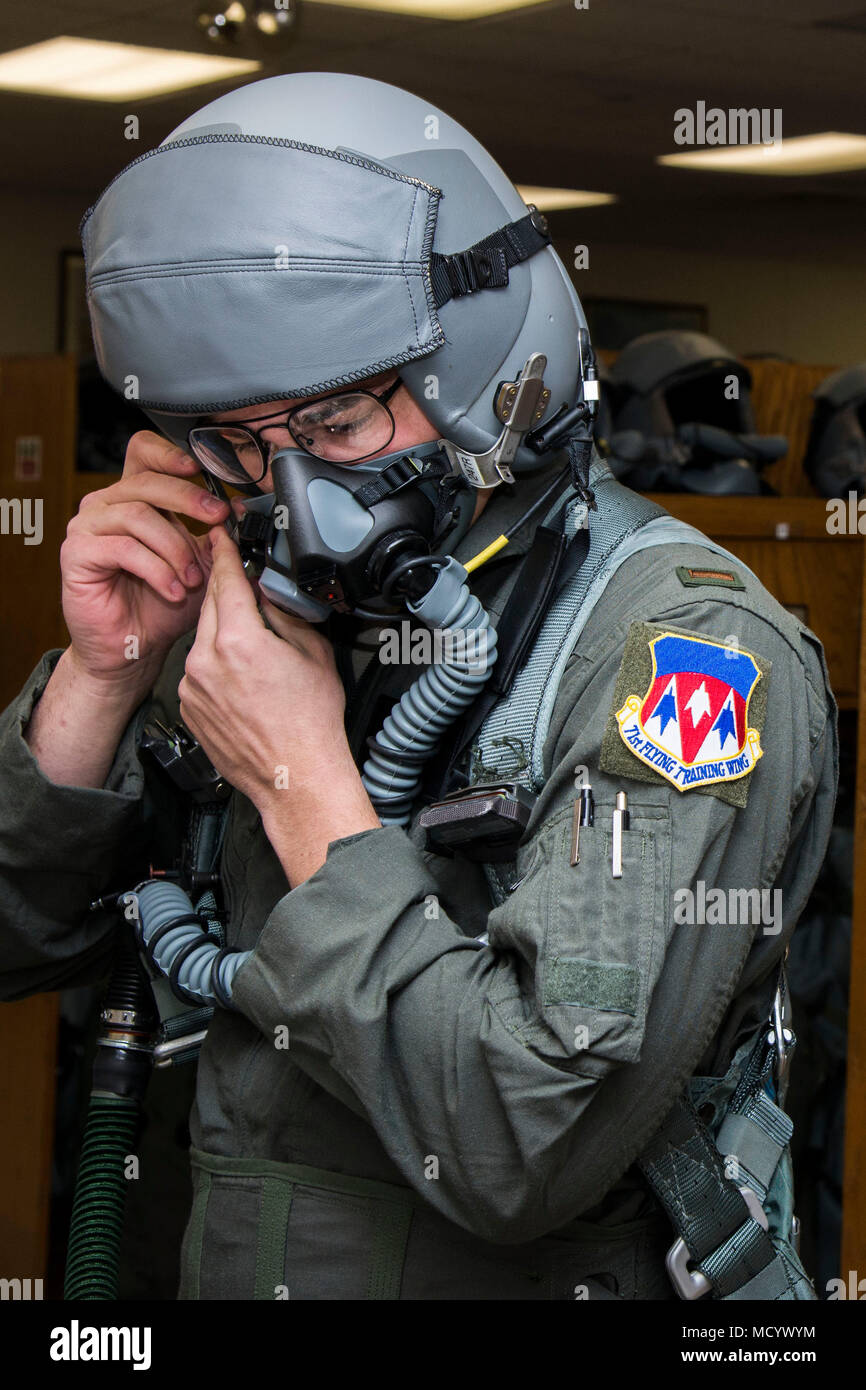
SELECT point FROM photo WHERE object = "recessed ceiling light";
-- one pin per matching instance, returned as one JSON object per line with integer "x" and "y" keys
{"x": 437, "y": 9}
{"x": 830, "y": 152}
{"x": 549, "y": 199}
{"x": 97, "y": 71}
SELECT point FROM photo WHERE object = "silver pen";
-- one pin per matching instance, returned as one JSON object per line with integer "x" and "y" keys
{"x": 620, "y": 823}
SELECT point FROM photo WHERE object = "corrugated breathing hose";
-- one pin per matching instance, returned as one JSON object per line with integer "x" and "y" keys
{"x": 121, "y": 1071}
{"x": 411, "y": 732}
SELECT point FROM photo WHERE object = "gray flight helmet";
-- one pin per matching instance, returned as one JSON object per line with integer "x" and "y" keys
{"x": 835, "y": 458}
{"x": 662, "y": 379}
{"x": 278, "y": 244}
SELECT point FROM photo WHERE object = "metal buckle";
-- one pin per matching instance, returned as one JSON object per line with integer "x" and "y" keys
{"x": 181, "y": 1049}
{"x": 538, "y": 220}
{"x": 518, "y": 405}
{"x": 782, "y": 1039}
{"x": 691, "y": 1284}
{"x": 476, "y": 269}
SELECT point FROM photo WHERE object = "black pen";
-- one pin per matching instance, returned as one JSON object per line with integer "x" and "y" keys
{"x": 584, "y": 814}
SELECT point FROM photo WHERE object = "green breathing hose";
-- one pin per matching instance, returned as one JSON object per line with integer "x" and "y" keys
{"x": 93, "y": 1256}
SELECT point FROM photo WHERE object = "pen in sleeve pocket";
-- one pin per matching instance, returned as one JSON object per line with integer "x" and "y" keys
{"x": 620, "y": 823}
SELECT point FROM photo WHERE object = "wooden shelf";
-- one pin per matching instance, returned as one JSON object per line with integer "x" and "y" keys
{"x": 770, "y": 518}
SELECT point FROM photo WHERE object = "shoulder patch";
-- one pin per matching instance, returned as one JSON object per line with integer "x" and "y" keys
{"x": 695, "y": 578}
{"x": 687, "y": 710}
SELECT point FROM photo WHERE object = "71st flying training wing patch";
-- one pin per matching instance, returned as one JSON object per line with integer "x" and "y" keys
{"x": 687, "y": 707}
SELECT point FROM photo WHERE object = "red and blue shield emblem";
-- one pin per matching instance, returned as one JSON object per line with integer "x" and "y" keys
{"x": 692, "y": 724}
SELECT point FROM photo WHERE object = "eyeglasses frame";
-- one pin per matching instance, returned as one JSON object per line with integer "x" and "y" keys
{"x": 277, "y": 423}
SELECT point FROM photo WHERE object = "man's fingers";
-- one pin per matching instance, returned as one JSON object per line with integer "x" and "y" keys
{"x": 169, "y": 540}
{"x": 285, "y": 625}
{"x": 170, "y": 494}
{"x": 206, "y": 631}
{"x": 235, "y": 602}
{"x": 148, "y": 452}
{"x": 299, "y": 633}
{"x": 89, "y": 557}
{"x": 165, "y": 493}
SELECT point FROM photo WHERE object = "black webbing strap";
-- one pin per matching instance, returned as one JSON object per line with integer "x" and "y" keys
{"x": 396, "y": 476}
{"x": 485, "y": 265}
{"x": 685, "y": 1171}
{"x": 516, "y": 631}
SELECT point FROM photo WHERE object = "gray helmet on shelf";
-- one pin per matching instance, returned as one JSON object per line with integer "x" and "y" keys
{"x": 836, "y": 453}
{"x": 312, "y": 230}
{"x": 663, "y": 379}
{"x": 682, "y": 419}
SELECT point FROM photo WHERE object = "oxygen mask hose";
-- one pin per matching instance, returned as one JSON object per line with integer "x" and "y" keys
{"x": 411, "y": 732}
{"x": 175, "y": 941}
{"x": 121, "y": 1071}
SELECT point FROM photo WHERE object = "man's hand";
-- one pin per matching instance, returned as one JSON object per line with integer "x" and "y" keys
{"x": 268, "y": 711}
{"x": 133, "y": 580}
{"x": 131, "y": 569}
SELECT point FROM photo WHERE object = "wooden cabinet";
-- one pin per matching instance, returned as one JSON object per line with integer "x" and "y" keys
{"x": 37, "y": 452}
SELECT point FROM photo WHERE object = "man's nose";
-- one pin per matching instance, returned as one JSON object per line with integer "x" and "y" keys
{"x": 277, "y": 437}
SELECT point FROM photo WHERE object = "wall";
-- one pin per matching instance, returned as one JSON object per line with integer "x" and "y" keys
{"x": 806, "y": 310}
{"x": 34, "y": 229}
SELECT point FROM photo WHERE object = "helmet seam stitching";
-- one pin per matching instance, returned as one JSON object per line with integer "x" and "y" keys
{"x": 257, "y": 140}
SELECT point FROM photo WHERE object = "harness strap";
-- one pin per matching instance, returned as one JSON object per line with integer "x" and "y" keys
{"x": 714, "y": 1191}
{"x": 275, "y": 1205}
{"x": 684, "y": 1170}
{"x": 485, "y": 265}
{"x": 516, "y": 631}
{"x": 757, "y": 1137}
{"x": 622, "y": 525}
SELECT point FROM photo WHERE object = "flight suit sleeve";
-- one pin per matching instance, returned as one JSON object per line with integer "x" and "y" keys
{"x": 513, "y": 1083}
{"x": 60, "y": 848}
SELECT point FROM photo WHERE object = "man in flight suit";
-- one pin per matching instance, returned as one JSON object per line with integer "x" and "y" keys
{"x": 468, "y": 1081}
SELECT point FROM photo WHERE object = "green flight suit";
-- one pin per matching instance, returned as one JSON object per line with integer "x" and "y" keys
{"x": 431, "y": 1130}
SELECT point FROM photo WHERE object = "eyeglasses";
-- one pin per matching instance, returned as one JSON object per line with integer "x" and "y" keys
{"x": 347, "y": 427}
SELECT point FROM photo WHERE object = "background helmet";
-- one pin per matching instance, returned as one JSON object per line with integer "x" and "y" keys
{"x": 681, "y": 417}
{"x": 282, "y": 242}
{"x": 661, "y": 380}
{"x": 836, "y": 453}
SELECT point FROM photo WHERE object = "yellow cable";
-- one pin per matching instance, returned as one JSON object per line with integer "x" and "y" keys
{"x": 484, "y": 555}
